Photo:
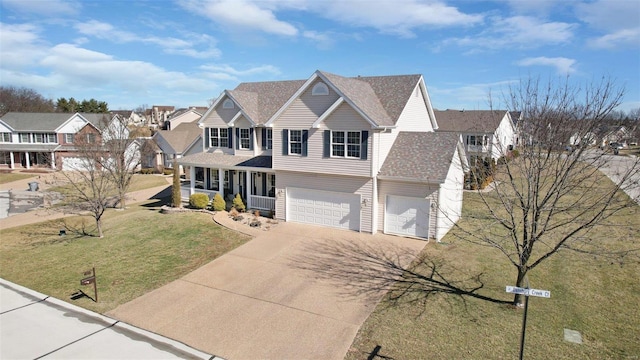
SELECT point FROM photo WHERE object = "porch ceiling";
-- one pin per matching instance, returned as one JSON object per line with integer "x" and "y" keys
{"x": 226, "y": 161}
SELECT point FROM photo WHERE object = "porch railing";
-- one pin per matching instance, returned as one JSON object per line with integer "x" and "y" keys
{"x": 262, "y": 202}
{"x": 184, "y": 192}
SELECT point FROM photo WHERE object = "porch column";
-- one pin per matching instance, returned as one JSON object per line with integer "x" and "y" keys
{"x": 13, "y": 160}
{"x": 27, "y": 162}
{"x": 248, "y": 187}
{"x": 192, "y": 179}
{"x": 221, "y": 182}
{"x": 53, "y": 160}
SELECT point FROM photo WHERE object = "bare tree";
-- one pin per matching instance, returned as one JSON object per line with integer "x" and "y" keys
{"x": 88, "y": 187}
{"x": 23, "y": 100}
{"x": 121, "y": 155}
{"x": 550, "y": 198}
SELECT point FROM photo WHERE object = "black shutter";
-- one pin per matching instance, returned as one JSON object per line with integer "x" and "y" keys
{"x": 206, "y": 138}
{"x": 264, "y": 138}
{"x": 326, "y": 149}
{"x": 285, "y": 142}
{"x": 363, "y": 147}
{"x": 264, "y": 184}
{"x": 230, "y": 136}
{"x": 237, "y": 138}
{"x": 251, "y": 139}
{"x": 305, "y": 137}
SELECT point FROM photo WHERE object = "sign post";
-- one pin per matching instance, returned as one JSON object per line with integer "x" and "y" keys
{"x": 526, "y": 292}
{"x": 90, "y": 278}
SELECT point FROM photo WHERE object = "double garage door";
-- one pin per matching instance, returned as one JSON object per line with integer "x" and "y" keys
{"x": 407, "y": 216}
{"x": 327, "y": 208}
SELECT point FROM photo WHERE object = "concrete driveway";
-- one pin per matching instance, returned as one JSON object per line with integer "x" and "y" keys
{"x": 272, "y": 298}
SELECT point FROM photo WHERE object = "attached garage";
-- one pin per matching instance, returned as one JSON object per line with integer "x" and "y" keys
{"x": 72, "y": 163}
{"x": 407, "y": 216}
{"x": 327, "y": 208}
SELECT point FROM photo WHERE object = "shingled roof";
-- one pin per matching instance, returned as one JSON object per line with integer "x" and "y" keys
{"x": 182, "y": 136}
{"x": 22, "y": 121}
{"x": 485, "y": 121}
{"x": 260, "y": 100}
{"x": 382, "y": 98}
{"x": 420, "y": 156}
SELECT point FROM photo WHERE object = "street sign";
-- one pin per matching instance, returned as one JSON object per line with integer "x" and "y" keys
{"x": 528, "y": 292}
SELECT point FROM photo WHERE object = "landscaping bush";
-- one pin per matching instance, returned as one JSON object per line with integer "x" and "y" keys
{"x": 199, "y": 201}
{"x": 515, "y": 153}
{"x": 148, "y": 171}
{"x": 218, "y": 203}
{"x": 238, "y": 204}
{"x": 167, "y": 171}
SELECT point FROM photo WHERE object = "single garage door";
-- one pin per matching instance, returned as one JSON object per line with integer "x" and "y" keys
{"x": 334, "y": 209}
{"x": 407, "y": 216}
{"x": 72, "y": 163}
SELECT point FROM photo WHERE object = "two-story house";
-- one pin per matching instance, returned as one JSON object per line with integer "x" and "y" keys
{"x": 486, "y": 133}
{"x": 49, "y": 139}
{"x": 353, "y": 153}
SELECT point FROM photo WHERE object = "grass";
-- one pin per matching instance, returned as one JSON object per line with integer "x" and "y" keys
{"x": 141, "y": 251}
{"x": 141, "y": 182}
{"x": 596, "y": 297}
{"x": 6, "y": 177}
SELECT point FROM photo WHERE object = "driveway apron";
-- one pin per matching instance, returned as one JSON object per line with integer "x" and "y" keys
{"x": 267, "y": 298}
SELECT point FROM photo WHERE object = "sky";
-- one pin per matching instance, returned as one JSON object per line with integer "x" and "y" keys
{"x": 186, "y": 52}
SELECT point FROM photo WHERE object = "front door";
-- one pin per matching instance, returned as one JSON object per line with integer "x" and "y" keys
{"x": 242, "y": 184}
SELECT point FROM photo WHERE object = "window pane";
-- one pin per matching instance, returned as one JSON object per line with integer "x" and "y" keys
{"x": 353, "y": 151}
{"x": 338, "y": 137}
{"x": 338, "y": 150}
{"x": 354, "y": 137}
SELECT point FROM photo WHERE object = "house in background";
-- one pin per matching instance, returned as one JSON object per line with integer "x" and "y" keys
{"x": 130, "y": 117}
{"x": 185, "y": 139}
{"x": 485, "y": 133}
{"x": 352, "y": 153}
{"x": 158, "y": 114}
{"x": 181, "y": 116}
{"x": 50, "y": 140}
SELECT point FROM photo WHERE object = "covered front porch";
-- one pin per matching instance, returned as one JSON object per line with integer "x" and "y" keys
{"x": 252, "y": 178}
{"x": 27, "y": 158}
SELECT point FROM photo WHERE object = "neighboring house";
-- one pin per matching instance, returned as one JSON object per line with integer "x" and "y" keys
{"x": 185, "y": 139}
{"x": 130, "y": 117}
{"x": 353, "y": 153}
{"x": 485, "y": 133}
{"x": 614, "y": 133}
{"x": 159, "y": 114}
{"x": 49, "y": 139}
{"x": 182, "y": 116}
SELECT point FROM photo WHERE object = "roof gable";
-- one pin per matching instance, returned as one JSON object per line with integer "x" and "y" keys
{"x": 182, "y": 137}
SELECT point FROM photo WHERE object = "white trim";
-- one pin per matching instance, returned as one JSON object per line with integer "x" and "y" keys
{"x": 320, "y": 89}
{"x": 328, "y": 112}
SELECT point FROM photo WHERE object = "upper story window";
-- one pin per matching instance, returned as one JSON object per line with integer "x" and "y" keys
{"x": 219, "y": 137}
{"x": 295, "y": 142}
{"x": 267, "y": 138}
{"x": 5, "y": 137}
{"x": 44, "y": 138}
{"x": 476, "y": 140}
{"x": 320, "y": 89}
{"x": 25, "y": 137}
{"x": 228, "y": 104}
{"x": 245, "y": 139}
{"x": 346, "y": 144}
{"x": 91, "y": 138}
{"x": 69, "y": 138}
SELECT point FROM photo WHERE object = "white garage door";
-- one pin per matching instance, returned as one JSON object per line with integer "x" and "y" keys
{"x": 407, "y": 216}
{"x": 334, "y": 209}
{"x": 74, "y": 164}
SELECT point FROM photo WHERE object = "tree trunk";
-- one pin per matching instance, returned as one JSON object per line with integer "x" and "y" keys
{"x": 99, "y": 225}
{"x": 518, "y": 299}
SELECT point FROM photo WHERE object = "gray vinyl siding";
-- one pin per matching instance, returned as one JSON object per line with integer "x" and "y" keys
{"x": 424, "y": 191}
{"x": 347, "y": 184}
{"x": 219, "y": 117}
{"x": 415, "y": 116}
{"x": 382, "y": 143}
{"x": 300, "y": 117}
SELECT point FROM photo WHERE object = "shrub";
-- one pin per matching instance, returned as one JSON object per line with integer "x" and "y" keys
{"x": 218, "y": 203}
{"x": 238, "y": 204}
{"x": 515, "y": 153}
{"x": 199, "y": 201}
{"x": 167, "y": 171}
{"x": 148, "y": 171}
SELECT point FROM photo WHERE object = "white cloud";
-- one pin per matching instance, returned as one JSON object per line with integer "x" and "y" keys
{"x": 470, "y": 97}
{"x": 44, "y": 7}
{"x": 196, "y": 45}
{"x": 241, "y": 14}
{"x": 617, "y": 39}
{"x": 394, "y": 17}
{"x": 518, "y": 31}
{"x": 229, "y": 73}
{"x": 20, "y": 45}
{"x": 563, "y": 65}
{"x": 619, "y": 19}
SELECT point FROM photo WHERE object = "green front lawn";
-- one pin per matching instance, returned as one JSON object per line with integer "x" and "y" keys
{"x": 7, "y": 177}
{"x": 141, "y": 251}
{"x": 597, "y": 297}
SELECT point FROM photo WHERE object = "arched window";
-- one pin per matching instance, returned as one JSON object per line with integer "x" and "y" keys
{"x": 227, "y": 104}
{"x": 320, "y": 89}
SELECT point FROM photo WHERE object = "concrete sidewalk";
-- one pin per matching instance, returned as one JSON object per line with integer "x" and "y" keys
{"x": 45, "y": 214}
{"x": 36, "y": 326}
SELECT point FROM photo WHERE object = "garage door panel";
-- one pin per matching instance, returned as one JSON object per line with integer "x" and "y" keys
{"x": 407, "y": 216}
{"x": 334, "y": 209}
